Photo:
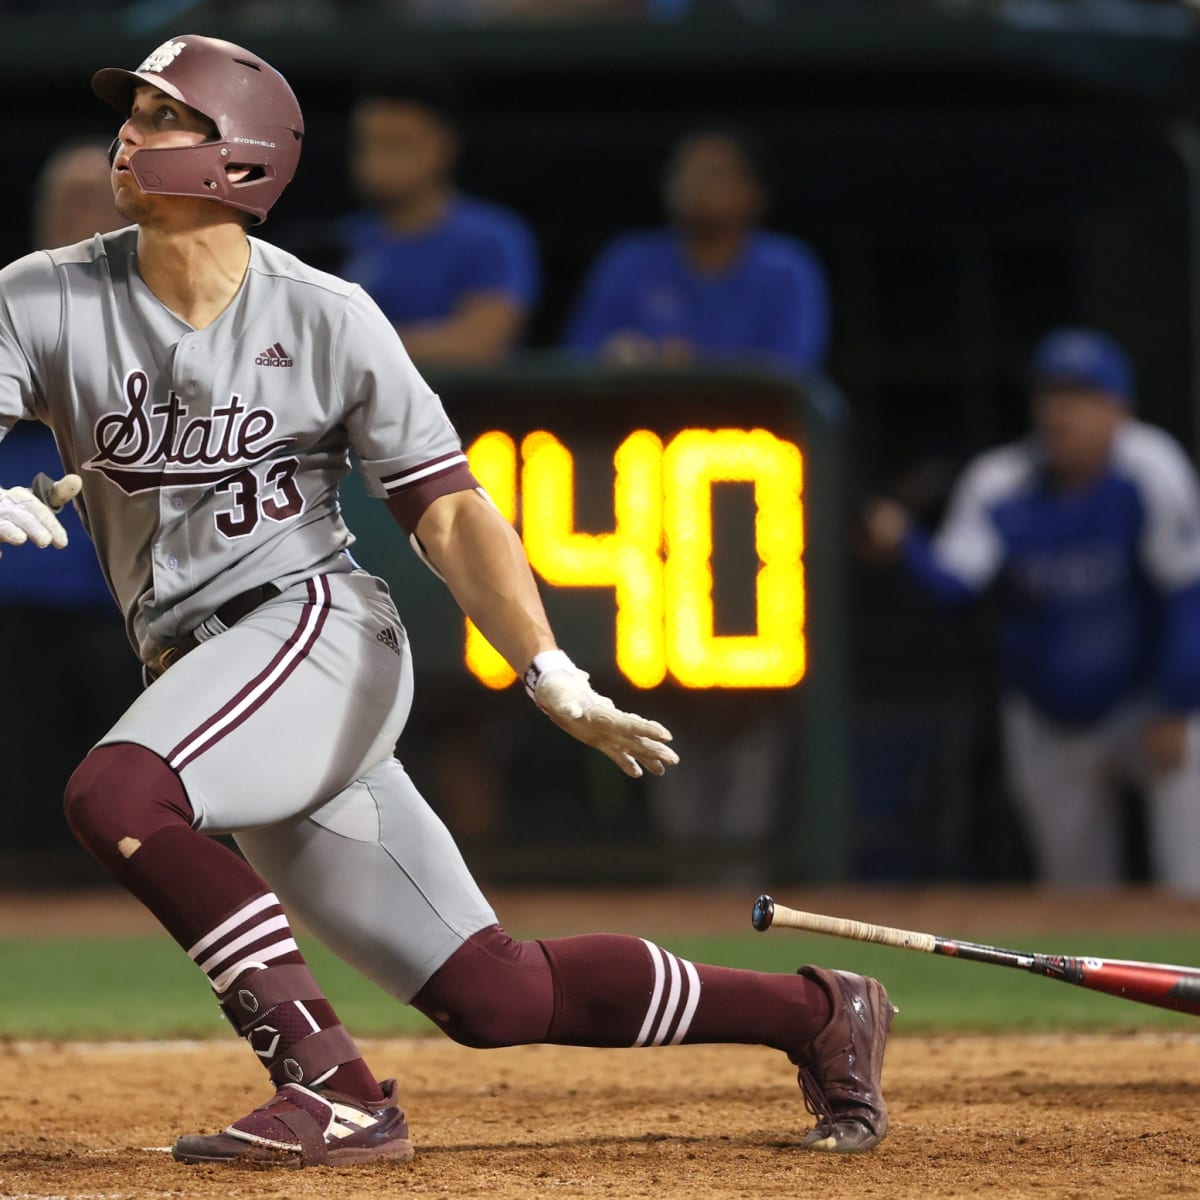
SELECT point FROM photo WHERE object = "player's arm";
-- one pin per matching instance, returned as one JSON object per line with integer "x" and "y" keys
{"x": 481, "y": 558}
{"x": 30, "y": 311}
{"x": 960, "y": 562}
{"x": 602, "y": 323}
{"x": 1170, "y": 553}
{"x": 480, "y": 332}
{"x": 496, "y": 286}
{"x": 893, "y": 533}
{"x": 412, "y": 459}
{"x": 795, "y": 328}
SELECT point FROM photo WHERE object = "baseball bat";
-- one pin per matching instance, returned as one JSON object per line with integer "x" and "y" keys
{"x": 1160, "y": 984}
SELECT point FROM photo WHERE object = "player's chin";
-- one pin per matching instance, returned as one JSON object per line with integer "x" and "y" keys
{"x": 132, "y": 203}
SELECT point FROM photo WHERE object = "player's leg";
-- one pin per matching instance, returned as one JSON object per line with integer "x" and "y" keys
{"x": 1173, "y": 802}
{"x": 615, "y": 990}
{"x": 377, "y": 877}
{"x": 1063, "y": 787}
{"x": 398, "y": 903}
{"x": 271, "y": 716}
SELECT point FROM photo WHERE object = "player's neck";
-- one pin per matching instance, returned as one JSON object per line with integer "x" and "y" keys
{"x": 194, "y": 272}
{"x": 1077, "y": 477}
{"x": 420, "y": 212}
{"x": 714, "y": 250}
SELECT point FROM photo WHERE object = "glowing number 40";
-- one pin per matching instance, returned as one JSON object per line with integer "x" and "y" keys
{"x": 658, "y": 557}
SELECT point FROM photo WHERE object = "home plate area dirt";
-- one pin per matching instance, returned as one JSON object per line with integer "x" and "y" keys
{"x": 1047, "y": 1117}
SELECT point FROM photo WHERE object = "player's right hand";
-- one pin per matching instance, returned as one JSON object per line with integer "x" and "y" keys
{"x": 561, "y": 690}
{"x": 25, "y": 518}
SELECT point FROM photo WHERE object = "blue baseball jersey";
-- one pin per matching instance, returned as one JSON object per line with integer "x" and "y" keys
{"x": 1099, "y": 588}
{"x": 477, "y": 248}
{"x": 773, "y": 303}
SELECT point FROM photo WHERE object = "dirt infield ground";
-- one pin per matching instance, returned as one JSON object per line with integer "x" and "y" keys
{"x": 1018, "y": 1118}
{"x": 1064, "y": 1118}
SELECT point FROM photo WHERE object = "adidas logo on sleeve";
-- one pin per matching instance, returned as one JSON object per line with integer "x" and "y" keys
{"x": 274, "y": 356}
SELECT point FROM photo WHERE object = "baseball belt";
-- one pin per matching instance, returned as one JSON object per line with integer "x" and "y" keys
{"x": 229, "y": 614}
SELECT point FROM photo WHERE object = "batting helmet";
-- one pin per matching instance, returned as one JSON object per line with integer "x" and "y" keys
{"x": 258, "y": 122}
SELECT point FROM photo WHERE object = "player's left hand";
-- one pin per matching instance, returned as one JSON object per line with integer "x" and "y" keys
{"x": 561, "y": 690}
{"x": 1165, "y": 742}
{"x": 26, "y": 517}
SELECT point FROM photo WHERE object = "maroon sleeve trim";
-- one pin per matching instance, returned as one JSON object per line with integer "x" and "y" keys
{"x": 409, "y": 504}
{"x": 431, "y": 466}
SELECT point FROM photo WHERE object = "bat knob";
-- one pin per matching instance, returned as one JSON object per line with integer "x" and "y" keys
{"x": 763, "y": 913}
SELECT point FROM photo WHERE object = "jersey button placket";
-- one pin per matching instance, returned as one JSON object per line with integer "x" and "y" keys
{"x": 172, "y": 531}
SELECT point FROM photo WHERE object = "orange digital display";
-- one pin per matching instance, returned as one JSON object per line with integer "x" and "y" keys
{"x": 658, "y": 557}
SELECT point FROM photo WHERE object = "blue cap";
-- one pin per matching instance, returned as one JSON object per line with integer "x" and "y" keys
{"x": 1083, "y": 358}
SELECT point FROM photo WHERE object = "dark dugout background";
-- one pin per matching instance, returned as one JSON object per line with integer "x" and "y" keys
{"x": 967, "y": 180}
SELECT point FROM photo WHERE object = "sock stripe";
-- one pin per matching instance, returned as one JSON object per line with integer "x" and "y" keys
{"x": 693, "y": 1002}
{"x": 672, "y": 1004}
{"x": 655, "y": 995}
{"x": 261, "y": 930}
{"x": 259, "y": 958}
{"x": 238, "y": 919}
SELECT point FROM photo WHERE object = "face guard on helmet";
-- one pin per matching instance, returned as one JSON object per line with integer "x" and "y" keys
{"x": 259, "y": 126}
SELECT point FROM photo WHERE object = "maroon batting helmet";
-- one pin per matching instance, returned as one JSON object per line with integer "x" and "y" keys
{"x": 255, "y": 111}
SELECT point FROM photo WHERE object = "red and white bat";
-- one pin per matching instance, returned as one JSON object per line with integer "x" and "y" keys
{"x": 1159, "y": 984}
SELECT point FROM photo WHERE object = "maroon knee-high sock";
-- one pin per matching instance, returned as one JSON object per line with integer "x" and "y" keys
{"x": 130, "y": 811}
{"x": 610, "y": 990}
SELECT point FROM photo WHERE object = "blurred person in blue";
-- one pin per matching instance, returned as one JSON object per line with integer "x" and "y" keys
{"x": 713, "y": 285}
{"x": 457, "y": 276}
{"x": 56, "y": 607}
{"x": 1088, "y": 532}
{"x": 72, "y": 201}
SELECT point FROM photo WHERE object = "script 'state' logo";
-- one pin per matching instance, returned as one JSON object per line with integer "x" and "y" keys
{"x": 148, "y": 447}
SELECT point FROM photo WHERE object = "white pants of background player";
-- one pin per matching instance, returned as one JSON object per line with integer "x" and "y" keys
{"x": 1065, "y": 786}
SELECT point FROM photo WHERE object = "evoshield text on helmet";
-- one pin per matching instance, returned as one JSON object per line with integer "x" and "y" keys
{"x": 258, "y": 121}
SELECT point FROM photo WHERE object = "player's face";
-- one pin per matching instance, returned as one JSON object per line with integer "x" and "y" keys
{"x": 1076, "y": 428}
{"x": 156, "y": 121}
{"x": 710, "y": 184}
{"x": 399, "y": 151}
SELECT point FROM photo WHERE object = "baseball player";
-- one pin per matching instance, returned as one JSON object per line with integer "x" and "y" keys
{"x": 1089, "y": 531}
{"x": 205, "y": 390}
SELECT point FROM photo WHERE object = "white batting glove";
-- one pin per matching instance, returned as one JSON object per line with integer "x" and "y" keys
{"x": 28, "y": 514}
{"x": 561, "y": 690}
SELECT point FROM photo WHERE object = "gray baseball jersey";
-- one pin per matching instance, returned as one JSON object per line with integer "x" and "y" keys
{"x": 210, "y": 463}
{"x": 210, "y": 458}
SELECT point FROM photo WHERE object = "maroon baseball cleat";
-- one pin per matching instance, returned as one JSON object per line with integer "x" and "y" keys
{"x": 840, "y": 1069}
{"x": 302, "y": 1128}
